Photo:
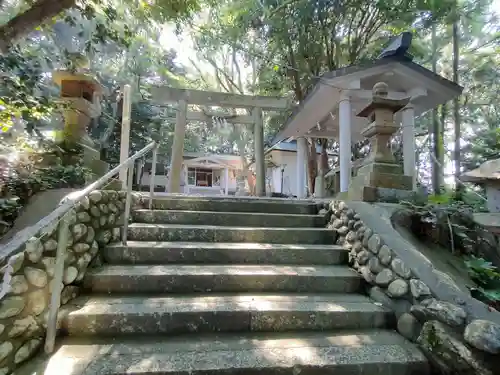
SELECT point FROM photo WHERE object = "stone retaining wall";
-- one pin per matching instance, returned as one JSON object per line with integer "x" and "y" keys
{"x": 454, "y": 339}
{"x": 27, "y": 275}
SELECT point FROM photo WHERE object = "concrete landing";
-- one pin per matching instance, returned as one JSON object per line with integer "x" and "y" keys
{"x": 222, "y": 278}
{"x": 223, "y": 313}
{"x": 144, "y": 252}
{"x": 347, "y": 353}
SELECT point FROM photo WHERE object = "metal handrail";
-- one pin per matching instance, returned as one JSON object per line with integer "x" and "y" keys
{"x": 16, "y": 245}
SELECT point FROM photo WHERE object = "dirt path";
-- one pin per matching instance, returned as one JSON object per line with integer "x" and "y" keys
{"x": 39, "y": 206}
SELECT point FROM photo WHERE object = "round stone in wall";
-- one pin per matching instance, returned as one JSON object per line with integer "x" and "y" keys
{"x": 374, "y": 265}
{"x": 384, "y": 277}
{"x": 385, "y": 255}
{"x": 50, "y": 265}
{"x": 419, "y": 288}
{"x": 36, "y": 301}
{"x": 351, "y": 237}
{"x": 70, "y": 275}
{"x": 366, "y": 236}
{"x": 79, "y": 230}
{"x": 25, "y": 351}
{"x": 445, "y": 312}
{"x": 16, "y": 261}
{"x": 374, "y": 243}
{"x": 409, "y": 327}
{"x": 400, "y": 268}
{"x": 81, "y": 247}
{"x": 18, "y": 284}
{"x": 5, "y": 349}
{"x": 22, "y": 326}
{"x": 357, "y": 247}
{"x": 83, "y": 217}
{"x": 50, "y": 245}
{"x": 95, "y": 196}
{"x": 363, "y": 257}
{"x": 397, "y": 288}
{"x": 367, "y": 275}
{"x": 34, "y": 249}
{"x": 343, "y": 230}
{"x": 11, "y": 306}
{"x": 483, "y": 335}
{"x": 36, "y": 276}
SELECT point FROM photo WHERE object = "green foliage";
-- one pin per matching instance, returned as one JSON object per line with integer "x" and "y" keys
{"x": 482, "y": 271}
{"x": 487, "y": 276}
{"x": 447, "y": 221}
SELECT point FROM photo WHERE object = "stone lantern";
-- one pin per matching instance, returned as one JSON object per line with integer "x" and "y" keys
{"x": 81, "y": 93}
{"x": 488, "y": 175}
{"x": 380, "y": 177}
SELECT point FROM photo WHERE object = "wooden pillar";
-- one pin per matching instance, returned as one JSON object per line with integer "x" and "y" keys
{"x": 125, "y": 136}
{"x": 301, "y": 167}
{"x": 226, "y": 180}
{"x": 345, "y": 117}
{"x": 260, "y": 171}
{"x": 174, "y": 181}
{"x": 409, "y": 164}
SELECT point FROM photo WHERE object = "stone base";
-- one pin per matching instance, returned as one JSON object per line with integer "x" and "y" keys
{"x": 374, "y": 194}
{"x": 377, "y": 182}
{"x": 382, "y": 175}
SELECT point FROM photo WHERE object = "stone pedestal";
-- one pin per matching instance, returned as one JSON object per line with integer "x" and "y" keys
{"x": 380, "y": 177}
{"x": 80, "y": 95}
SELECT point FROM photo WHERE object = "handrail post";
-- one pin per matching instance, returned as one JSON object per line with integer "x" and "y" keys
{"x": 128, "y": 202}
{"x": 55, "y": 298}
{"x": 152, "y": 177}
{"x": 125, "y": 136}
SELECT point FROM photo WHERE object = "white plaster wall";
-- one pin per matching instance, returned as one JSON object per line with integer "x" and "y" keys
{"x": 162, "y": 180}
{"x": 159, "y": 180}
{"x": 289, "y": 174}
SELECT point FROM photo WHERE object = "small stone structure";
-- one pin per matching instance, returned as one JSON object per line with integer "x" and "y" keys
{"x": 28, "y": 273}
{"x": 380, "y": 170}
{"x": 81, "y": 94}
{"x": 488, "y": 174}
{"x": 457, "y": 337}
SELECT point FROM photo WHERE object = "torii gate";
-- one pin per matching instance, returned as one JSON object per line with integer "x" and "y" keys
{"x": 185, "y": 97}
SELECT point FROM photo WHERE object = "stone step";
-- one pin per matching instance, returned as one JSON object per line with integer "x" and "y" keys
{"x": 223, "y": 313}
{"x": 361, "y": 352}
{"x": 209, "y": 233}
{"x": 223, "y": 204}
{"x": 143, "y": 252}
{"x": 222, "y": 278}
{"x": 242, "y": 219}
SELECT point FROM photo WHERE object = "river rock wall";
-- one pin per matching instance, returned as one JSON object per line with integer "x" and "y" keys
{"x": 28, "y": 273}
{"x": 457, "y": 336}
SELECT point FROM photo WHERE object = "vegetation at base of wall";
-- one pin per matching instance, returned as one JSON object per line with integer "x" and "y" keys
{"x": 34, "y": 170}
{"x": 487, "y": 276}
{"x": 446, "y": 220}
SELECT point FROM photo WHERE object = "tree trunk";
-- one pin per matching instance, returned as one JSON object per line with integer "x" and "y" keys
{"x": 437, "y": 141}
{"x": 456, "y": 101}
{"x": 22, "y": 24}
{"x": 312, "y": 164}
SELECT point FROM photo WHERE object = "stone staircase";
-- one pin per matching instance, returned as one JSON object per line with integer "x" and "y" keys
{"x": 231, "y": 286}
